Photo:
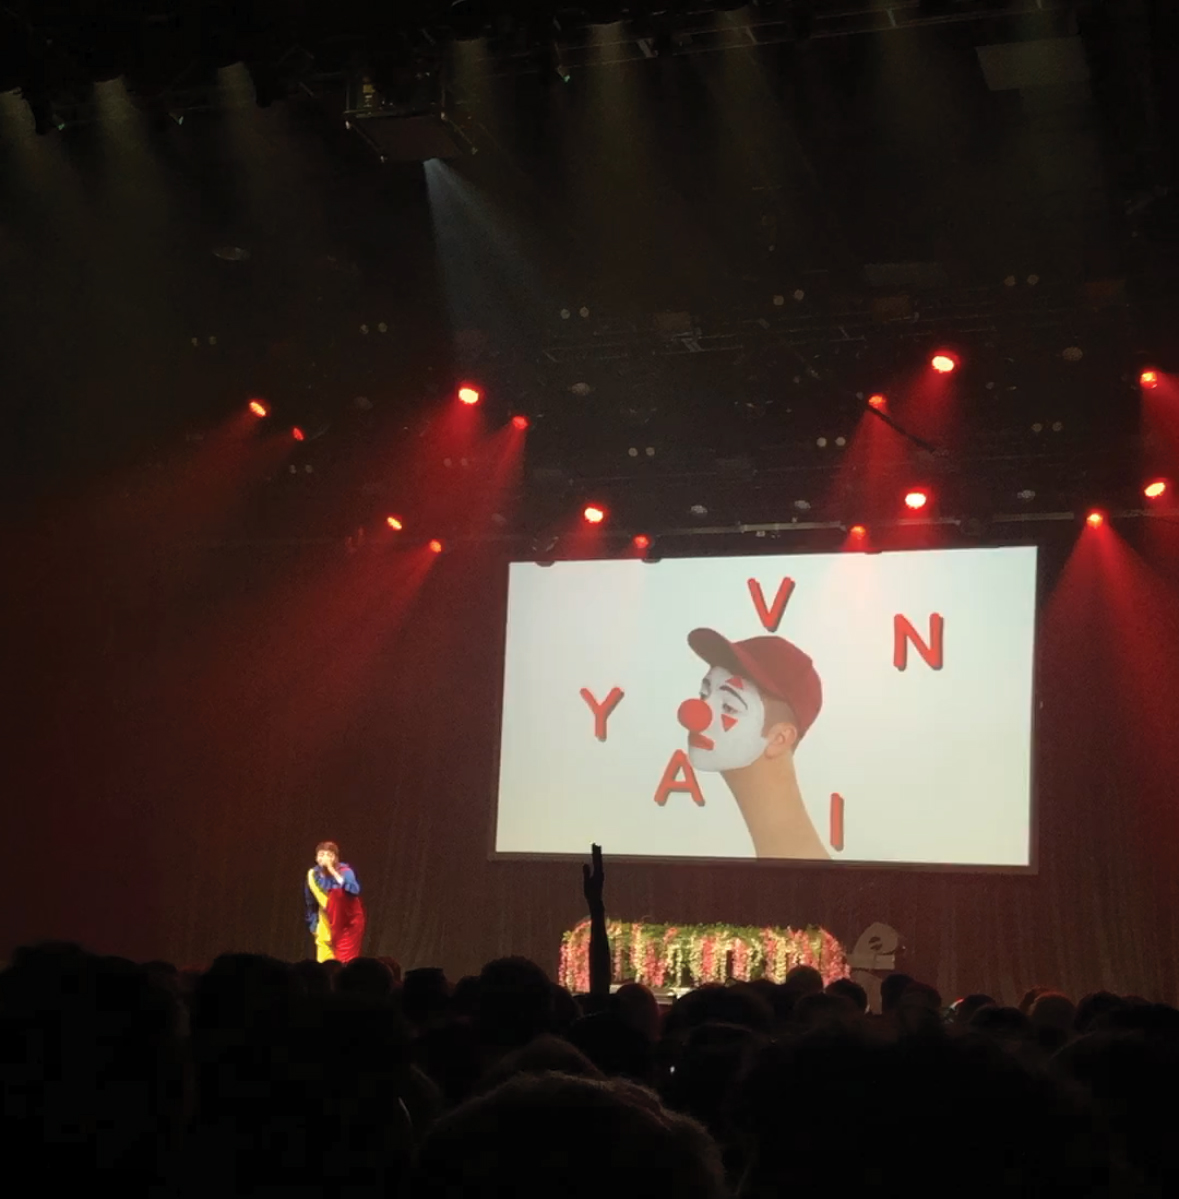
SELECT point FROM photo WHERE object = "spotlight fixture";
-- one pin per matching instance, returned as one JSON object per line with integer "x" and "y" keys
{"x": 468, "y": 394}
{"x": 298, "y": 434}
{"x": 858, "y": 532}
{"x": 394, "y": 522}
{"x": 916, "y": 499}
{"x": 435, "y": 546}
{"x": 544, "y": 549}
{"x": 641, "y": 541}
{"x": 1155, "y": 489}
{"x": 1149, "y": 379}
{"x": 1095, "y": 519}
{"x": 259, "y": 409}
{"x": 520, "y": 422}
{"x": 878, "y": 402}
{"x": 943, "y": 362}
{"x": 593, "y": 514}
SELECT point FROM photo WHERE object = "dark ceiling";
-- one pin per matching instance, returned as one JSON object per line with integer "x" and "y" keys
{"x": 707, "y": 234}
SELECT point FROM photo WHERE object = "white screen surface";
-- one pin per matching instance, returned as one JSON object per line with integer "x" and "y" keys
{"x": 931, "y": 763}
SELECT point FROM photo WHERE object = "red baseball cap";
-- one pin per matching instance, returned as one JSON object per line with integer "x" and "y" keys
{"x": 777, "y": 667}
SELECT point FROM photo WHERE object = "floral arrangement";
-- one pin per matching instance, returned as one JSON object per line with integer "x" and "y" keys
{"x": 682, "y": 955}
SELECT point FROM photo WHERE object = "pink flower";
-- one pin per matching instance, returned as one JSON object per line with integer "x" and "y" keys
{"x": 741, "y": 960}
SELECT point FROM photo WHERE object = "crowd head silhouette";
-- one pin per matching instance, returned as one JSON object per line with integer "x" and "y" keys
{"x": 261, "y": 1078}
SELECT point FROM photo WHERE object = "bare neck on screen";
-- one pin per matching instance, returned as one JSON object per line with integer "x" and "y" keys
{"x": 770, "y": 801}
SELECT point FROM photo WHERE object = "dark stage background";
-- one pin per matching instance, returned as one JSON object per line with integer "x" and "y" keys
{"x": 208, "y": 669}
{"x": 197, "y": 723}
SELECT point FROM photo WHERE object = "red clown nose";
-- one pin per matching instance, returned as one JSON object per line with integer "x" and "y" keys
{"x": 695, "y": 715}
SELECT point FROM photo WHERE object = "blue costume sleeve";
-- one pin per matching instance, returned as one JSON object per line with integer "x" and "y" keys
{"x": 350, "y": 883}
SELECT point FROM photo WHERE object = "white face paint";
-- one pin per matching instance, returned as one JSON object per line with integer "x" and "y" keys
{"x": 738, "y": 718}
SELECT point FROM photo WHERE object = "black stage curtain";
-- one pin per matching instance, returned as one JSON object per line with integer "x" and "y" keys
{"x": 189, "y": 723}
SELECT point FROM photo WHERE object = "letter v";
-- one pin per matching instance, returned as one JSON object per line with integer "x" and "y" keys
{"x": 771, "y": 618}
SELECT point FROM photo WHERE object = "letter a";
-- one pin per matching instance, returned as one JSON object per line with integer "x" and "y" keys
{"x": 672, "y": 782}
{"x": 903, "y": 632}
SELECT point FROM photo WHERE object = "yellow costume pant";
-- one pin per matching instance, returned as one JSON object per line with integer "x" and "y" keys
{"x": 323, "y": 934}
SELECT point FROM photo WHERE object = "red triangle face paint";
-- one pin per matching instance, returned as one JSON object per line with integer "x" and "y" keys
{"x": 727, "y": 722}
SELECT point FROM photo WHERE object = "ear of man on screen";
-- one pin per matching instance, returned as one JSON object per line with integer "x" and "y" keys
{"x": 781, "y": 727}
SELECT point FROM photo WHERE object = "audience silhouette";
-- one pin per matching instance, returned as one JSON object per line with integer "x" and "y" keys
{"x": 257, "y": 1078}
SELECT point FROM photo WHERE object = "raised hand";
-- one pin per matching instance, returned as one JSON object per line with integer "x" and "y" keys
{"x": 600, "y": 963}
{"x": 593, "y": 879}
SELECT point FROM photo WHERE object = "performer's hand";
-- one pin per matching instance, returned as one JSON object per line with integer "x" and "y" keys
{"x": 593, "y": 880}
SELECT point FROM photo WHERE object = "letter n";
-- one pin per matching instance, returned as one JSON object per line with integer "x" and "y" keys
{"x": 903, "y": 632}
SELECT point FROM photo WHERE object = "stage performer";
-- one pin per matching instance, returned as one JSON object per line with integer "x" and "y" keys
{"x": 756, "y": 703}
{"x": 335, "y": 913}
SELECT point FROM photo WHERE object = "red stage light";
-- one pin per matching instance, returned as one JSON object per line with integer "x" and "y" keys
{"x": 858, "y": 531}
{"x": 520, "y": 422}
{"x": 1154, "y": 490}
{"x": 298, "y": 434}
{"x": 258, "y": 408}
{"x": 1149, "y": 378}
{"x": 469, "y": 395}
{"x": 1095, "y": 519}
{"x": 394, "y": 522}
{"x": 943, "y": 363}
{"x": 642, "y": 541}
{"x": 916, "y": 499}
{"x": 436, "y": 546}
{"x": 594, "y": 515}
{"x": 877, "y": 402}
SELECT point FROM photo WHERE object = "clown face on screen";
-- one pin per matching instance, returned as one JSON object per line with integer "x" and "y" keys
{"x": 735, "y": 736}
{"x": 756, "y": 703}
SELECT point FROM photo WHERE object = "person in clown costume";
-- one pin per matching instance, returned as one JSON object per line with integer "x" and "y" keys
{"x": 335, "y": 913}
